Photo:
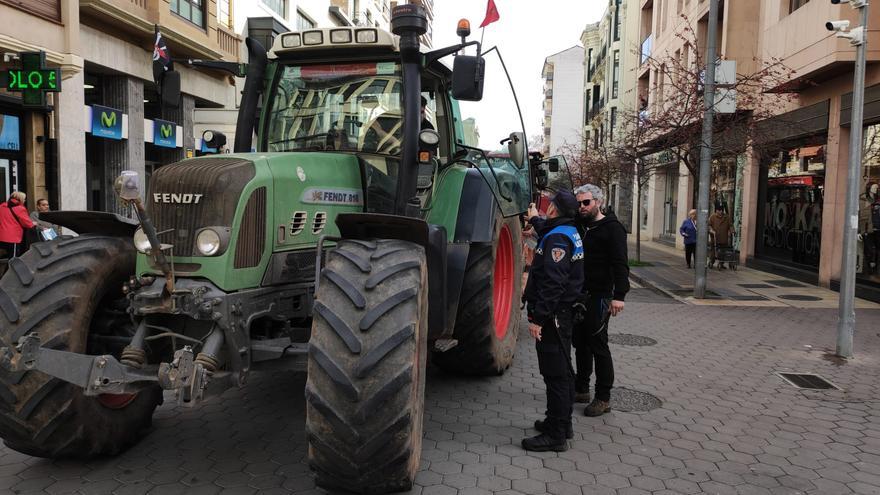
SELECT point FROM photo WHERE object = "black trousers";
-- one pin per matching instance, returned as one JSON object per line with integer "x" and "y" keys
{"x": 689, "y": 250}
{"x": 554, "y": 362}
{"x": 10, "y": 250}
{"x": 591, "y": 346}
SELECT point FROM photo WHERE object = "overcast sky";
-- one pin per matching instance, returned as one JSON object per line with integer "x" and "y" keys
{"x": 528, "y": 32}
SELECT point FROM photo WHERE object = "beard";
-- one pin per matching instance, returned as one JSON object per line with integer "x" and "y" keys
{"x": 589, "y": 216}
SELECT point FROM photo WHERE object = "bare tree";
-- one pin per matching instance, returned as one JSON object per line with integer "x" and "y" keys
{"x": 672, "y": 122}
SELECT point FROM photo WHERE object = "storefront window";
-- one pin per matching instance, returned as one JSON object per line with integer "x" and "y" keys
{"x": 10, "y": 133}
{"x": 868, "y": 252}
{"x": 791, "y": 220}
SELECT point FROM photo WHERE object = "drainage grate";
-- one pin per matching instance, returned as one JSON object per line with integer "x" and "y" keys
{"x": 630, "y": 339}
{"x": 799, "y": 297}
{"x": 808, "y": 380}
{"x": 748, "y": 298}
{"x": 784, "y": 283}
{"x": 756, "y": 286}
{"x": 690, "y": 292}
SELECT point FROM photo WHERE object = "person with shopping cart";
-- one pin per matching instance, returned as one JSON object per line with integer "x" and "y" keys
{"x": 720, "y": 228}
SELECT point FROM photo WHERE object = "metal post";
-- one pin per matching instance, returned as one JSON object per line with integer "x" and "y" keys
{"x": 846, "y": 318}
{"x": 706, "y": 154}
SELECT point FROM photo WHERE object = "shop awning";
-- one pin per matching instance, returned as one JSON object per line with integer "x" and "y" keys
{"x": 809, "y": 151}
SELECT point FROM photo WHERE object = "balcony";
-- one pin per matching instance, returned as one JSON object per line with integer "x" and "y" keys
{"x": 137, "y": 18}
{"x": 814, "y": 54}
{"x": 596, "y": 109}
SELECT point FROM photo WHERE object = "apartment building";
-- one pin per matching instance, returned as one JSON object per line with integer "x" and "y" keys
{"x": 563, "y": 75}
{"x": 65, "y": 151}
{"x": 795, "y": 193}
{"x": 668, "y": 30}
{"x": 611, "y": 58}
{"x": 786, "y": 193}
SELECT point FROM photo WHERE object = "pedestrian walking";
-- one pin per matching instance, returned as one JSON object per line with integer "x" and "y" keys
{"x": 720, "y": 228}
{"x": 688, "y": 230}
{"x": 14, "y": 221}
{"x": 606, "y": 282}
{"x": 554, "y": 285}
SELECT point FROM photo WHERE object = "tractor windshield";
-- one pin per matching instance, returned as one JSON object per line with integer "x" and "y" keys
{"x": 346, "y": 107}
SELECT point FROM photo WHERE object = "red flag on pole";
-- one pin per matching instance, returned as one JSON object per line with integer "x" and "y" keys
{"x": 491, "y": 14}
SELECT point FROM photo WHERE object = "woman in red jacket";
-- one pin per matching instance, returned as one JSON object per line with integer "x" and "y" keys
{"x": 14, "y": 219}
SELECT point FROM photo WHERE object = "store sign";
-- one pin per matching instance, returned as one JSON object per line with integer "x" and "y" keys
{"x": 10, "y": 133}
{"x": 106, "y": 122}
{"x": 164, "y": 133}
{"x": 33, "y": 80}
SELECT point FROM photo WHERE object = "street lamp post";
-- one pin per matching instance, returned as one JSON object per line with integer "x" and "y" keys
{"x": 846, "y": 319}
{"x": 706, "y": 154}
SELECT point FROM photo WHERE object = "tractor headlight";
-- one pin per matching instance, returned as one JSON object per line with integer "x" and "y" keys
{"x": 141, "y": 243}
{"x": 208, "y": 242}
{"x": 212, "y": 241}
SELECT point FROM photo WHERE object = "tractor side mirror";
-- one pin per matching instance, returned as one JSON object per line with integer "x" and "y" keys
{"x": 468, "y": 74}
{"x": 516, "y": 148}
{"x": 171, "y": 89}
{"x": 553, "y": 164}
{"x": 127, "y": 185}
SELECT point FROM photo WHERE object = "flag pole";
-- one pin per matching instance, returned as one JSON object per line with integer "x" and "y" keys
{"x": 482, "y": 34}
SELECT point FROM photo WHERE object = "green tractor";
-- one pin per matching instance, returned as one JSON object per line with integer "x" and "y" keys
{"x": 361, "y": 239}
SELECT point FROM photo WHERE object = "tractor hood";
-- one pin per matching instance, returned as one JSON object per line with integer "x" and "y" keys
{"x": 261, "y": 202}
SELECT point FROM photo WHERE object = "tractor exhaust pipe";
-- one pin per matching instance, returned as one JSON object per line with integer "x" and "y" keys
{"x": 253, "y": 86}
{"x": 409, "y": 22}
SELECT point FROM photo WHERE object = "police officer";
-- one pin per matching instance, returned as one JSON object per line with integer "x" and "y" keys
{"x": 555, "y": 281}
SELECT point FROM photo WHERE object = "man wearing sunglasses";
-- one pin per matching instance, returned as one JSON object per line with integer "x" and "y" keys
{"x": 606, "y": 282}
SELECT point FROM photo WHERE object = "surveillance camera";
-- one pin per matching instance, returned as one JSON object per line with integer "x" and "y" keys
{"x": 856, "y": 4}
{"x": 835, "y": 2}
{"x": 837, "y": 25}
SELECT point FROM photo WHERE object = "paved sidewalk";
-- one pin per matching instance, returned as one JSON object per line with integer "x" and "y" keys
{"x": 741, "y": 287}
{"x": 727, "y": 424}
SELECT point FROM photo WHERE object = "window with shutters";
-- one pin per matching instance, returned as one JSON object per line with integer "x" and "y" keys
{"x": 47, "y": 9}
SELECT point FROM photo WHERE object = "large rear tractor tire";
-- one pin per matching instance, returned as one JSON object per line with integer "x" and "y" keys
{"x": 488, "y": 311}
{"x": 66, "y": 290}
{"x": 366, "y": 367}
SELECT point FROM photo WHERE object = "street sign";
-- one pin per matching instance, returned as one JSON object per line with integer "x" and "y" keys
{"x": 34, "y": 79}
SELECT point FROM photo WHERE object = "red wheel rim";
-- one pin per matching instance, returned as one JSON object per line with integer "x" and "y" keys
{"x": 502, "y": 288}
{"x": 116, "y": 401}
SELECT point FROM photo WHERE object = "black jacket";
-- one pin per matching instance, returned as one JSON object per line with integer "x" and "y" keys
{"x": 556, "y": 276}
{"x": 606, "y": 264}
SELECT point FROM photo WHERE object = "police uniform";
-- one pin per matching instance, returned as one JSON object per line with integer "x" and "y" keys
{"x": 555, "y": 282}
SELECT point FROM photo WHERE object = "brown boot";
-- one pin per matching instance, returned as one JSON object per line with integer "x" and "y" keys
{"x": 582, "y": 397}
{"x": 597, "y": 408}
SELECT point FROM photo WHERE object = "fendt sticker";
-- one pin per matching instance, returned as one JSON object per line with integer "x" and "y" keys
{"x": 319, "y": 196}
{"x": 177, "y": 198}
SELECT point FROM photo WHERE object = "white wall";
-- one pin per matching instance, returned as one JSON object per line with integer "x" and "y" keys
{"x": 567, "y": 111}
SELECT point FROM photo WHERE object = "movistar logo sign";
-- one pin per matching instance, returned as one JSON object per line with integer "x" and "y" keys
{"x": 165, "y": 130}
{"x": 108, "y": 120}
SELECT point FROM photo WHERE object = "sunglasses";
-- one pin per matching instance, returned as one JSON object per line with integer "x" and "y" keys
{"x": 585, "y": 202}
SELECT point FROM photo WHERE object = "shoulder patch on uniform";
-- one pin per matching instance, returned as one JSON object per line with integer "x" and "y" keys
{"x": 558, "y": 254}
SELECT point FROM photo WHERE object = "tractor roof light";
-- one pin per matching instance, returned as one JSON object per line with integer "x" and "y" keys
{"x": 340, "y": 36}
{"x": 366, "y": 36}
{"x": 291, "y": 41}
{"x": 313, "y": 38}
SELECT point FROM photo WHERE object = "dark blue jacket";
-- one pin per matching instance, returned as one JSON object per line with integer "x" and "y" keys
{"x": 689, "y": 231}
{"x": 556, "y": 277}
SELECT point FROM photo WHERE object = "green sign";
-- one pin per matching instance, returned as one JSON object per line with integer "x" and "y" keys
{"x": 34, "y": 79}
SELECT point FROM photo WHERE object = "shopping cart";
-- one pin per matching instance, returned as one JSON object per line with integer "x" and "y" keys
{"x": 724, "y": 254}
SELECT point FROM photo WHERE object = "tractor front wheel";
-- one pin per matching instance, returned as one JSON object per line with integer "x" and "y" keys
{"x": 69, "y": 291}
{"x": 366, "y": 367}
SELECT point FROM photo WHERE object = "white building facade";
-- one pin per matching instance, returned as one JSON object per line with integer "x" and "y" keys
{"x": 563, "y": 75}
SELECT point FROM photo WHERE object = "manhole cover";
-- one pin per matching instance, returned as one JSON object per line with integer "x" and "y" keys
{"x": 785, "y": 283}
{"x": 630, "y": 339}
{"x": 808, "y": 380}
{"x": 627, "y": 400}
{"x": 756, "y": 286}
{"x": 799, "y": 297}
